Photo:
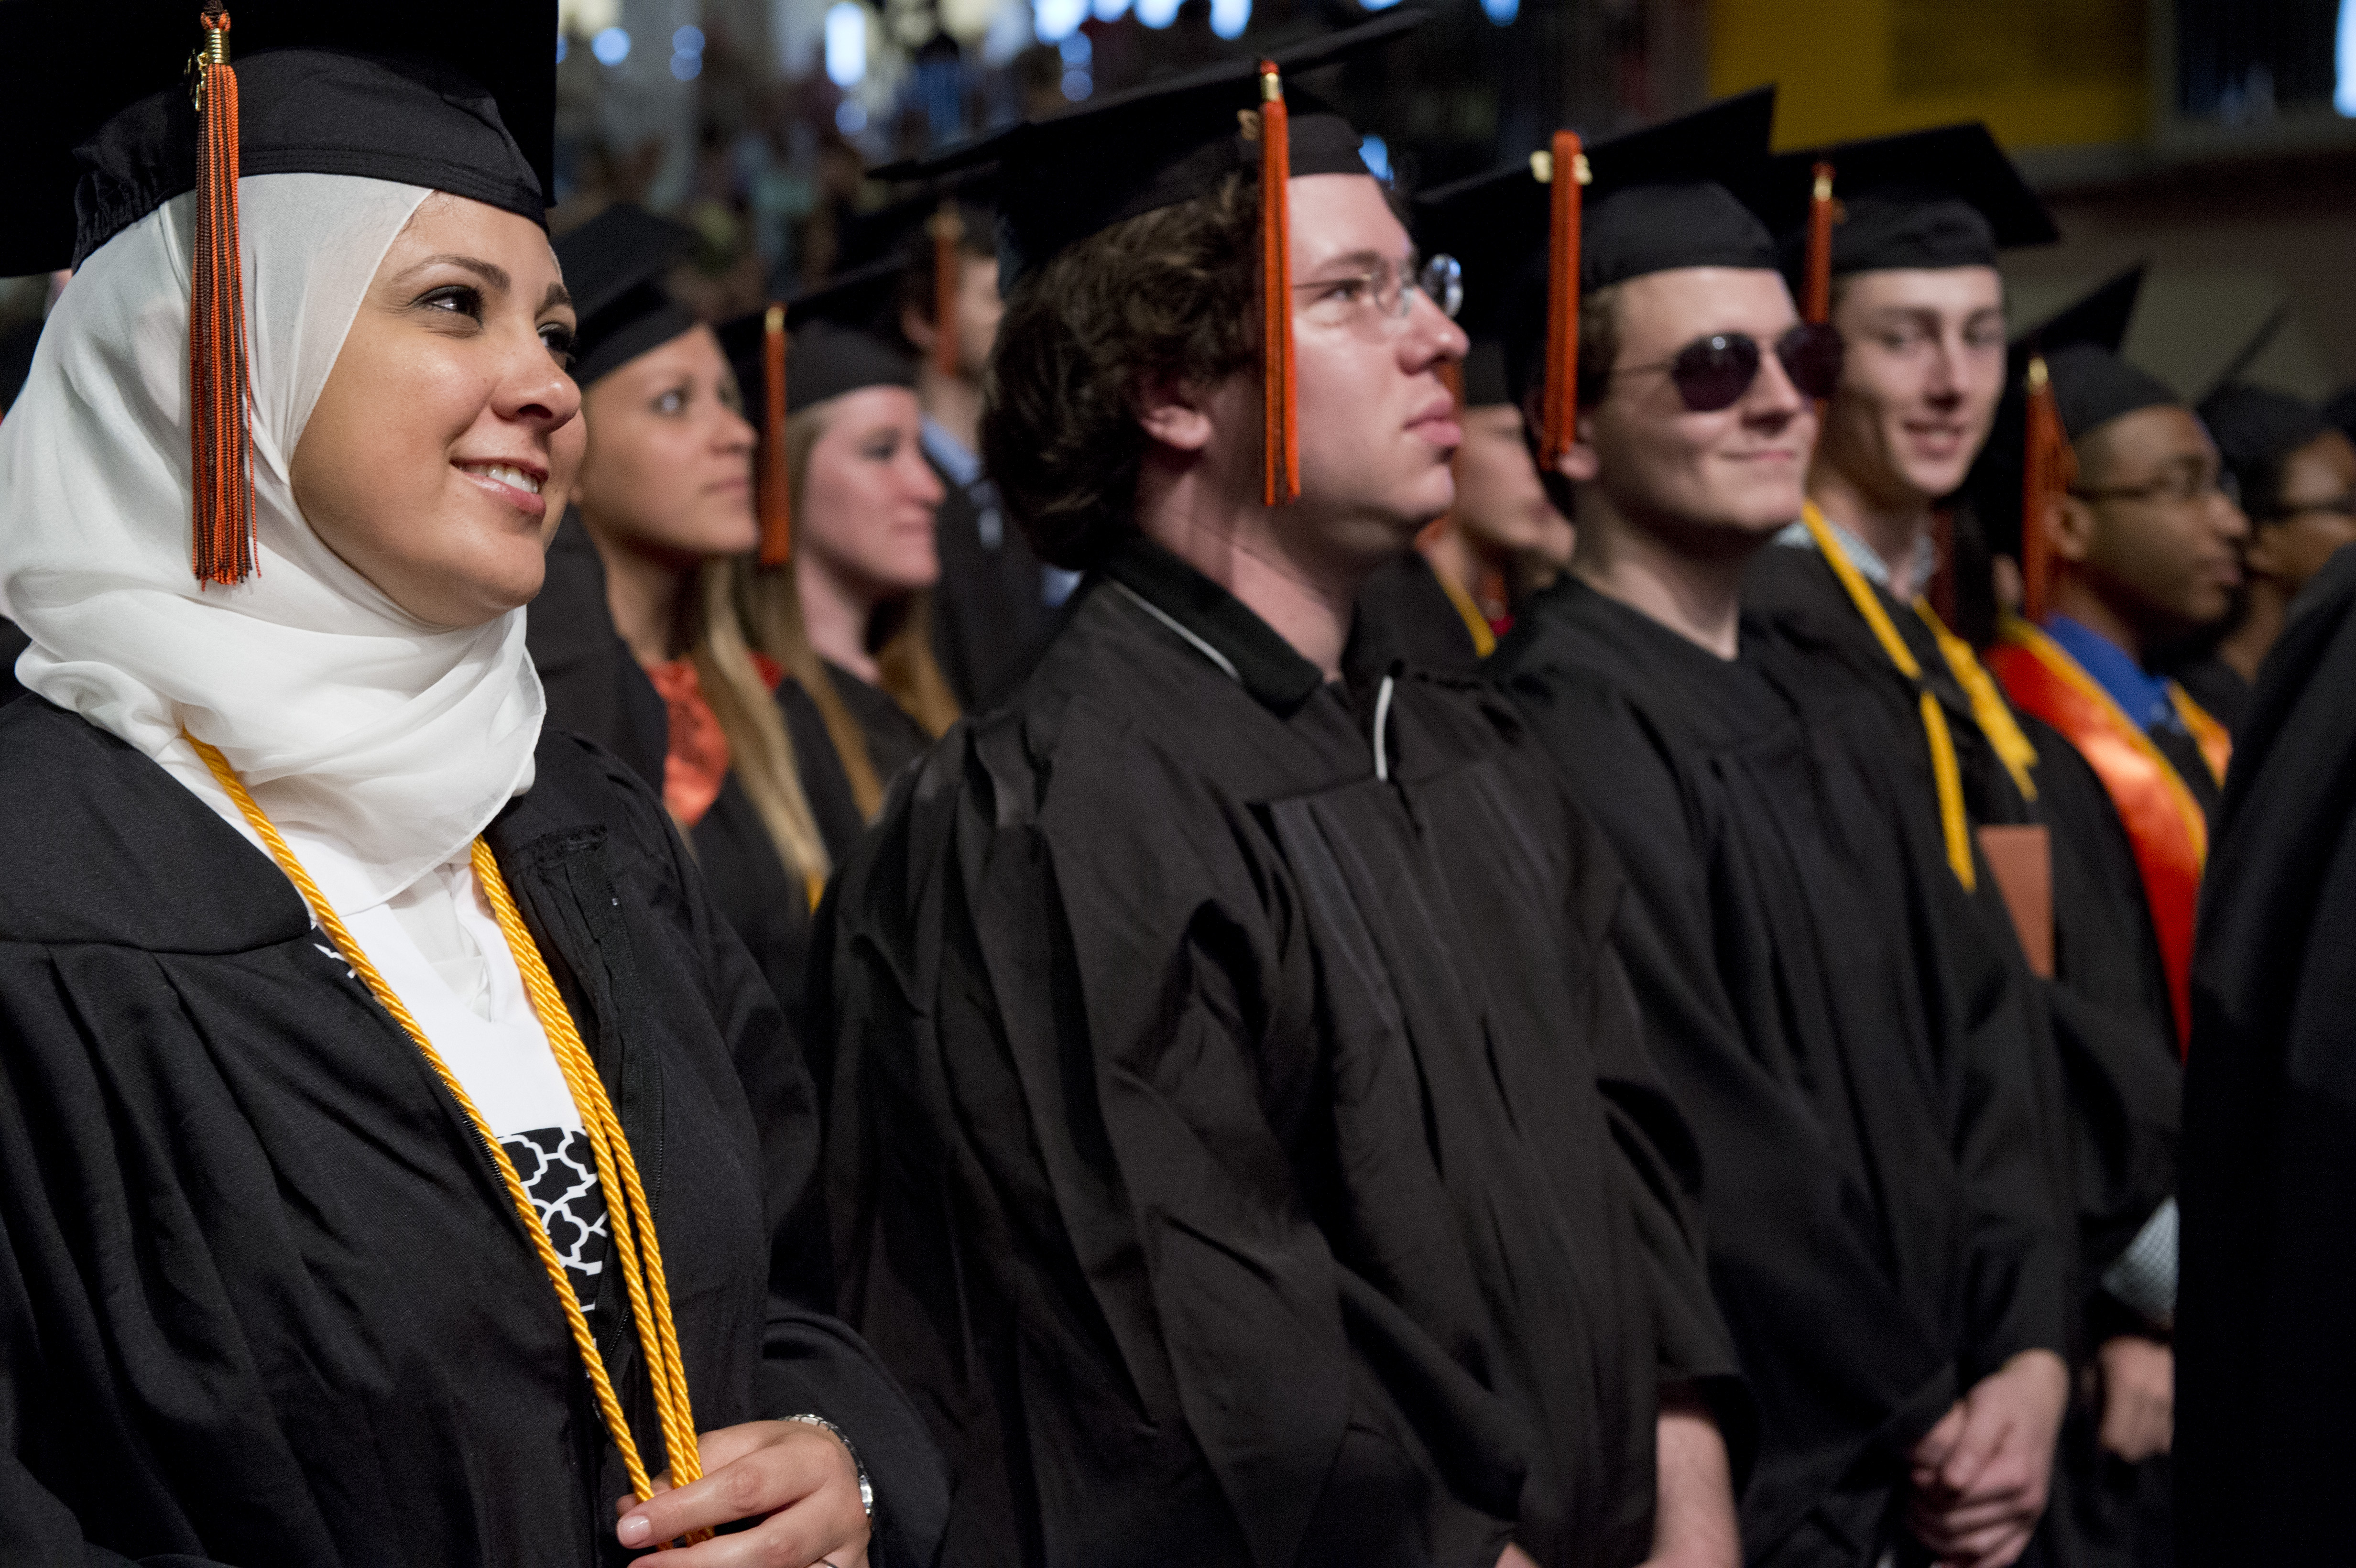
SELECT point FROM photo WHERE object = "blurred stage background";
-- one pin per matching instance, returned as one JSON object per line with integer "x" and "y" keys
{"x": 2212, "y": 138}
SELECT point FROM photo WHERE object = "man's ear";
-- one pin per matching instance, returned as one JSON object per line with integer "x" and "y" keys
{"x": 1173, "y": 412}
{"x": 1579, "y": 462}
{"x": 919, "y": 332}
{"x": 2071, "y": 534}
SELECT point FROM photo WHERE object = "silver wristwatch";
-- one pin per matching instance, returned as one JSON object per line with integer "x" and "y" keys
{"x": 866, "y": 1491}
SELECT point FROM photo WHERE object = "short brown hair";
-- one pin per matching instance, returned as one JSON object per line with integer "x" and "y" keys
{"x": 1169, "y": 294}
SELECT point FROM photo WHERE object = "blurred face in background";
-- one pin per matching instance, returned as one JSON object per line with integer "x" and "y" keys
{"x": 2147, "y": 529}
{"x": 1921, "y": 371}
{"x": 669, "y": 470}
{"x": 864, "y": 520}
{"x": 2313, "y": 515}
{"x": 1501, "y": 506}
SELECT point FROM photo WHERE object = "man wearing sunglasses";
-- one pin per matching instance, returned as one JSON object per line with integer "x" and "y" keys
{"x": 2296, "y": 474}
{"x": 1244, "y": 1148}
{"x": 1885, "y": 1238}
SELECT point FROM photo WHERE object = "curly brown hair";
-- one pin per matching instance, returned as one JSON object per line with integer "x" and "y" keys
{"x": 1169, "y": 294}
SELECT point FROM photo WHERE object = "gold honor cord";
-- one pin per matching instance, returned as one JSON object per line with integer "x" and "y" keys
{"x": 1945, "y": 772}
{"x": 2013, "y": 747}
{"x": 617, "y": 1171}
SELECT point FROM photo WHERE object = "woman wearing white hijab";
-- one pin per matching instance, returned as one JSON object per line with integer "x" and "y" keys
{"x": 399, "y": 1162}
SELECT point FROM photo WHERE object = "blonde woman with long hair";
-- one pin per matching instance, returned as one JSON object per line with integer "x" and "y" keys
{"x": 847, "y": 612}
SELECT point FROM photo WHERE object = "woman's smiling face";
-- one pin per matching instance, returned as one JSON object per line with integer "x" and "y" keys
{"x": 448, "y": 430}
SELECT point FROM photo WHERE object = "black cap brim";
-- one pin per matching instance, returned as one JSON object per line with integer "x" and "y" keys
{"x": 1947, "y": 196}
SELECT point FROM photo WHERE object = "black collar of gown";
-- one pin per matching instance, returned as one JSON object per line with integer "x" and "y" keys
{"x": 1266, "y": 665}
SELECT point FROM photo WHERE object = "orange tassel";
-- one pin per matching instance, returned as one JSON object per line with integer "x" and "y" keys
{"x": 948, "y": 273}
{"x": 2049, "y": 468}
{"x": 1819, "y": 303}
{"x": 1564, "y": 167}
{"x": 1281, "y": 416}
{"x": 220, "y": 439}
{"x": 776, "y": 484}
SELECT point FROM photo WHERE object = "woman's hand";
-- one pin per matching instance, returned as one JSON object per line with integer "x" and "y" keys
{"x": 2138, "y": 1397}
{"x": 798, "y": 1480}
{"x": 1980, "y": 1475}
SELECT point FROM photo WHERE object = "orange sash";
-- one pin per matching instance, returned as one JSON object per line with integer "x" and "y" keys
{"x": 2163, "y": 824}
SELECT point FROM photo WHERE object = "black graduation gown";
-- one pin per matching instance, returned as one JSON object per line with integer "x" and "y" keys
{"x": 262, "y": 1301}
{"x": 1848, "y": 1043}
{"x": 594, "y": 683}
{"x": 824, "y": 784}
{"x": 13, "y": 642}
{"x": 1405, "y": 615}
{"x": 2265, "y": 1358}
{"x": 2218, "y": 687}
{"x": 1245, "y": 1160}
{"x": 990, "y": 616}
{"x": 2112, "y": 1022}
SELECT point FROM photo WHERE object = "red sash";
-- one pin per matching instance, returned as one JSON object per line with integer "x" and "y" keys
{"x": 2163, "y": 824}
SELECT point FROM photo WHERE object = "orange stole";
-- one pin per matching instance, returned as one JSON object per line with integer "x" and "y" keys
{"x": 2163, "y": 824}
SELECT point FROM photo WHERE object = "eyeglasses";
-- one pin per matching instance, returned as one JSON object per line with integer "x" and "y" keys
{"x": 1714, "y": 372}
{"x": 2178, "y": 487}
{"x": 2338, "y": 505}
{"x": 1387, "y": 293}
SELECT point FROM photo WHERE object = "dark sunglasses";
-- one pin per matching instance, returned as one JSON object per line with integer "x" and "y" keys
{"x": 1712, "y": 373}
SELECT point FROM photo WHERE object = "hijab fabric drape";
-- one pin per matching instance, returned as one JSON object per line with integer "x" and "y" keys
{"x": 369, "y": 736}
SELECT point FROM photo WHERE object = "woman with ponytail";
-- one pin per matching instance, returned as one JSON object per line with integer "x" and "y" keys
{"x": 400, "y": 1163}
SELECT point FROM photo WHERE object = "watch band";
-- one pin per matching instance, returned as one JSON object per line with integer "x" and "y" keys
{"x": 866, "y": 1491}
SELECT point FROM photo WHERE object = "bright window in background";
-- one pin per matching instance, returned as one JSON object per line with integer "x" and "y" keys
{"x": 1157, "y": 12}
{"x": 1055, "y": 20}
{"x": 1230, "y": 17}
{"x": 2344, "y": 91}
{"x": 1502, "y": 11}
{"x": 846, "y": 43}
{"x": 611, "y": 46}
{"x": 1377, "y": 5}
{"x": 1377, "y": 153}
{"x": 1109, "y": 10}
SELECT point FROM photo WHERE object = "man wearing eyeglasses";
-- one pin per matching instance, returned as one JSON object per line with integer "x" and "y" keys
{"x": 1885, "y": 1236}
{"x": 2296, "y": 474}
{"x": 1244, "y": 1148}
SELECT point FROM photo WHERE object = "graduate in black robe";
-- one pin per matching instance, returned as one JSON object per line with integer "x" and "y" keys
{"x": 2265, "y": 1368}
{"x": 306, "y": 1255}
{"x": 1856, "y": 1052}
{"x": 1242, "y": 1142}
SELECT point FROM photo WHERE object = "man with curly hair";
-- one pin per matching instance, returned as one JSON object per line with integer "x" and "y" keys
{"x": 1241, "y": 1139}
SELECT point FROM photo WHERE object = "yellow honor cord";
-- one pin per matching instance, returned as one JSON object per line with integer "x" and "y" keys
{"x": 2013, "y": 748}
{"x": 1946, "y": 774}
{"x": 617, "y": 1171}
{"x": 1484, "y": 636}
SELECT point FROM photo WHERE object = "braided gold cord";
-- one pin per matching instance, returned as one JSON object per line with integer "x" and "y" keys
{"x": 610, "y": 1147}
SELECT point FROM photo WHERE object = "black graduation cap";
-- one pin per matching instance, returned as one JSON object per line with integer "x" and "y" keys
{"x": 928, "y": 235}
{"x": 94, "y": 98}
{"x": 113, "y": 110}
{"x": 2061, "y": 374}
{"x": 614, "y": 265}
{"x": 2254, "y": 428}
{"x": 1947, "y": 196}
{"x": 829, "y": 338}
{"x": 1648, "y": 201}
{"x": 1064, "y": 179}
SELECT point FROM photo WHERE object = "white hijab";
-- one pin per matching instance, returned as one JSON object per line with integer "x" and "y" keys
{"x": 380, "y": 741}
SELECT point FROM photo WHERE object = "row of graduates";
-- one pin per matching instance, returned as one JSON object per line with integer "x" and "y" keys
{"x": 1286, "y": 1097}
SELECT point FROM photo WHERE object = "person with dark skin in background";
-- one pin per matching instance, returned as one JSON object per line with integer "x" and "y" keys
{"x": 1793, "y": 934}
{"x": 1912, "y": 285}
{"x": 1241, "y": 1136}
{"x": 2297, "y": 479}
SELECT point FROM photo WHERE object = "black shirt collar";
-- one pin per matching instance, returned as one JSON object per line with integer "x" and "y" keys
{"x": 1248, "y": 648}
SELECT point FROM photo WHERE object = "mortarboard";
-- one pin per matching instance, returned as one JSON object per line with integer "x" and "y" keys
{"x": 929, "y": 234}
{"x": 613, "y": 268}
{"x": 1652, "y": 200}
{"x": 2064, "y": 376}
{"x": 2254, "y": 428}
{"x": 836, "y": 347}
{"x": 110, "y": 115}
{"x": 1946, "y": 197}
{"x": 1065, "y": 178}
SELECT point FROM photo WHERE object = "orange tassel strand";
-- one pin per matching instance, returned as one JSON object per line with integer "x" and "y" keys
{"x": 948, "y": 273}
{"x": 776, "y": 484}
{"x": 1564, "y": 168}
{"x": 1818, "y": 306}
{"x": 1281, "y": 481}
{"x": 2049, "y": 468}
{"x": 220, "y": 432}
